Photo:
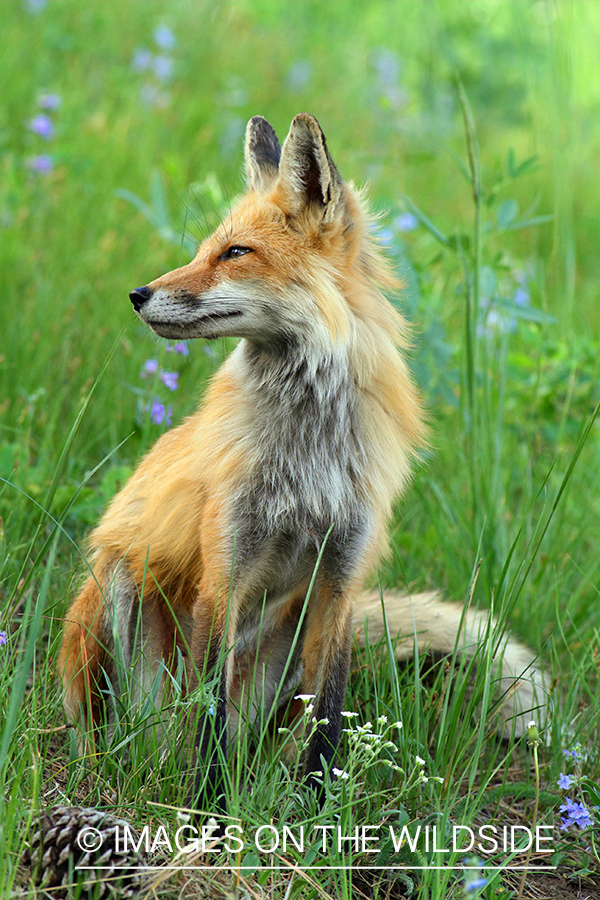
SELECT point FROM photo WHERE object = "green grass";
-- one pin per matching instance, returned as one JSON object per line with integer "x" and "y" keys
{"x": 504, "y": 505}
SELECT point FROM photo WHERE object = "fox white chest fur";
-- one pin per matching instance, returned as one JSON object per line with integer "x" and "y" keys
{"x": 306, "y": 460}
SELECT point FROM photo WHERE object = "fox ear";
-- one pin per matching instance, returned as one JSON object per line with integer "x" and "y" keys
{"x": 307, "y": 172}
{"x": 262, "y": 152}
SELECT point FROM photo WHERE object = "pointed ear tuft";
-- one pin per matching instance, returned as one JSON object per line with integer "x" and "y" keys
{"x": 262, "y": 152}
{"x": 307, "y": 172}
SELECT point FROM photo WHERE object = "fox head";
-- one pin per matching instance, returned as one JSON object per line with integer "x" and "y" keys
{"x": 278, "y": 269}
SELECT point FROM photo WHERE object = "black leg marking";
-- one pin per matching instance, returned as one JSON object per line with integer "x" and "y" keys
{"x": 210, "y": 752}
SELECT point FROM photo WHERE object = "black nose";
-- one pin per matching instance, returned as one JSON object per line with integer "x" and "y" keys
{"x": 139, "y": 296}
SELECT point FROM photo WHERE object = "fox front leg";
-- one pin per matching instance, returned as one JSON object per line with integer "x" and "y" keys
{"x": 325, "y": 669}
{"x": 209, "y": 794}
{"x": 209, "y": 651}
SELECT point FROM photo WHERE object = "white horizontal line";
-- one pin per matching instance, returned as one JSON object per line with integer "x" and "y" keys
{"x": 292, "y": 867}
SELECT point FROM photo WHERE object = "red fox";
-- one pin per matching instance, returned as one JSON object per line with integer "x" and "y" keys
{"x": 303, "y": 442}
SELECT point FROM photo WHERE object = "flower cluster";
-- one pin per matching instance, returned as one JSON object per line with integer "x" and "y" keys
{"x": 42, "y": 125}
{"x": 368, "y": 742}
{"x": 157, "y": 67}
{"x": 160, "y": 413}
{"x": 565, "y": 781}
{"x": 574, "y": 811}
{"x": 367, "y": 745}
{"x": 575, "y": 814}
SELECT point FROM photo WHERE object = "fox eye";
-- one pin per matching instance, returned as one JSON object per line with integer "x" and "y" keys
{"x": 235, "y": 252}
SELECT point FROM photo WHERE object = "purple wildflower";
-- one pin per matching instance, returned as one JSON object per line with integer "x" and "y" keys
{"x": 42, "y": 163}
{"x": 565, "y": 781}
{"x": 170, "y": 380}
{"x": 149, "y": 367}
{"x": 142, "y": 59}
{"x": 162, "y": 66}
{"x": 42, "y": 125}
{"x": 3, "y": 638}
{"x": 522, "y": 297}
{"x": 474, "y": 881}
{"x": 35, "y": 6}
{"x": 387, "y": 64}
{"x": 49, "y": 101}
{"x": 181, "y": 347}
{"x": 570, "y": 754}
{"x": 577, "y": 814}
{"x": 406, "y": 222}
{"x": 476, "y": 884}
{"x": 159, "y": 413}
{"x": 164, "y": 37}
{"x": 299, "y": 75}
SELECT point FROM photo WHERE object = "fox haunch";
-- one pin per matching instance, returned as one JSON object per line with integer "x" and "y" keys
{"x": 305, "y": 439}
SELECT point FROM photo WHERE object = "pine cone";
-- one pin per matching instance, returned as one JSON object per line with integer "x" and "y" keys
{"x": 76, "y": 845}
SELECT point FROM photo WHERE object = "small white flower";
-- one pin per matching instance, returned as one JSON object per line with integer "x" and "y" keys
{"x": 340, "y": 773}
{"x": 212, "y": 826}
{"x": 532, "y": 724}
{"x": 382, "y": 720}
{"x": 391, "y": 765}
{"x": 419, "y": 761}
{"x": 349, "y": 715}
{"x": 397, "y": 725}
{"x": 305, "y": 697}
{"x": 437, "y": 778}
{"x": 423, "y": 778}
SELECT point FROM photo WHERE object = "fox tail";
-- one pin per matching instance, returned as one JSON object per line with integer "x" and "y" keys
{"x": 438, "y": 628}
